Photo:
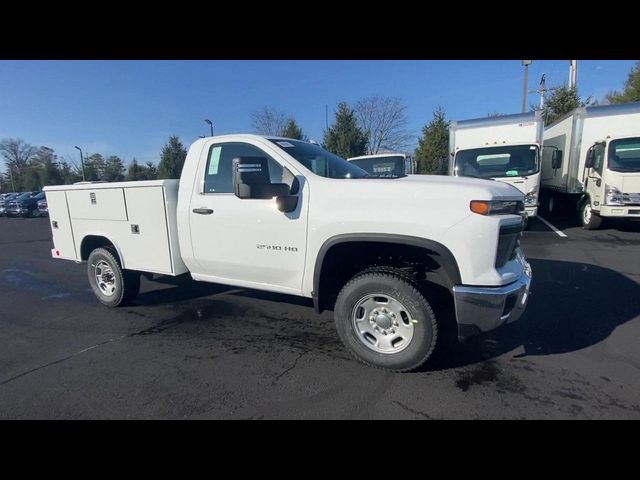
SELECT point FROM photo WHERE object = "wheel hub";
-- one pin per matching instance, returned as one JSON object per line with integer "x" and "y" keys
{"x": 105, "y": 278}
{"x": 382, "y": 323}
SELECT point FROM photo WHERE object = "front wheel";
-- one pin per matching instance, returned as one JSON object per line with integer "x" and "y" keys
{"x": 590, "y": 219}
{"x": 112, "y": 285}
{"x": 385, "y": 321}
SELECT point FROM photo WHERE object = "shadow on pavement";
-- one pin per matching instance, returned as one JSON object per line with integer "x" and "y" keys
{"x": 572, "y": 306}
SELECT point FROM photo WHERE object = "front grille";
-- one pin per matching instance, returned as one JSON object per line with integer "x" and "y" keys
{"x": 631, "y": 198}
{"x": 508, "y": 242}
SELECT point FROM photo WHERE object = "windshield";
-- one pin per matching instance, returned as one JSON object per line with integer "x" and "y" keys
{"x": 392, "y": 165}
{"x": 320, "y": 161}
{"x": 496, "y": 162}
{"x": 624, "y": 155}
{"x": 24, "y": 196}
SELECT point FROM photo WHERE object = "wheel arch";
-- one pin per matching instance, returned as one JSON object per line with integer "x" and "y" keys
{"x": 94, "y": 240}
{"x": 436, "y": 251}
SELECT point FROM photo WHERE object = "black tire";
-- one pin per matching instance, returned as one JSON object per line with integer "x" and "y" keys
{"x": 126, "y": 282}
{"x": 404, "y": 290}
{"x": 592, "y": 221}
{"x": 35, "y": 213}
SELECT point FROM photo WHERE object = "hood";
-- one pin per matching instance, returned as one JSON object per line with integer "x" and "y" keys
{"x": 625, "y": 182}
{"x": 447, "y": 186}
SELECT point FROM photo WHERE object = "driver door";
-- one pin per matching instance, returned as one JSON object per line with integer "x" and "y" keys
{"x": 593, "y": 180}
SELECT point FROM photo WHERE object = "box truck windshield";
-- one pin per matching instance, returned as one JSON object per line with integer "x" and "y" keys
{"x": 624, "y": 155}
{"x": 498, "y": 162}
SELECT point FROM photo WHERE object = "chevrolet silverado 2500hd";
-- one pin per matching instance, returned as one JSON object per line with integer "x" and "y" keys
{"x": 287, "y": 216}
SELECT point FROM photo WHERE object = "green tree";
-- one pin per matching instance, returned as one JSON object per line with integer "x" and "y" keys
{"x": 344, "y": 137}
{"x": 135, "y": 172}
{"x": 46, "y": 162}
{"x": 70, "y": 174}
{"x": 292, "y": 130}
{"x": 433, "y": 147}
{"x": 172, "y": 159}
{"x": 113, "y": 169}
{"x": 631, "y": 90}
{"x": 94, "y": 166}
{"x": 150, "y": 171}
{"x": 562, "y": 101}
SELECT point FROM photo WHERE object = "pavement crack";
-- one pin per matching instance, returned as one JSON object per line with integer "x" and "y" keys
{"x": 411, "y": 410}
{"x": 288, "y": 369}
{"x": 60, "y": 360}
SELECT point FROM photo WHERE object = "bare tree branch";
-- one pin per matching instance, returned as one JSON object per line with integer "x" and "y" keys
{"x": 384, "y": 122}
{"x": 269, "y": 121}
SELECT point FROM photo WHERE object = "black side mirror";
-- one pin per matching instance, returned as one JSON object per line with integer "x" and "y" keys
{"x": 251, "y": 179}
{"x": 591, "y": 156}
{"x": 287, "y": 203}
{"x": 556, "y": 159}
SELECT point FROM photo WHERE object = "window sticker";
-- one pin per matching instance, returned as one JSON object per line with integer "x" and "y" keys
{"x": 512, "y": 173}
{"x": 286, "y": 144}
{"x": 214, "y": 160}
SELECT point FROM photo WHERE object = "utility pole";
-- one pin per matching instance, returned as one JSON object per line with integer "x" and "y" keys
{"x": 326, "y": 116}
{"x": 526, "y": 64}
{"x": 573, "y": 73}
{"x": 542, "y": 90}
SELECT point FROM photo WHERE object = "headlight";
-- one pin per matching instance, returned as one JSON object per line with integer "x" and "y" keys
{"x": 531, "y": 198}
{"x": 613, "y": 195}
{"x": 496, "y": 207}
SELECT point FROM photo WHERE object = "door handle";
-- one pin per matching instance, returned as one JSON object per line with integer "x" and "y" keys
{"x": 203, "y": 211}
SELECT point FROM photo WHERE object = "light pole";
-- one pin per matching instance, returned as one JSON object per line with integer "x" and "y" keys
{"x": 525, "y": 64}
{"x": 210, "y": 125}
{"x": 81, "y": 163}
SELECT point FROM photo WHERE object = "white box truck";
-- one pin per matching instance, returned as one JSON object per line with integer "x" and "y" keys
{"x": 386, "y": 164}
{"x": 505, "y": 148}
{"x": 591, "y": 163}
{"x": 287, "y": 216}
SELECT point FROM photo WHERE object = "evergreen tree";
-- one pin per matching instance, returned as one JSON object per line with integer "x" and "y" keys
{"x": 94, "y": 166}
{"x": 172, "y": 159}
{"x": 433, "y": 147}
{"x": 135, "y": 172}
{"x": 292, "y": 130}
{"x": 150, "y": 171}
{"x": 631, "y": 90}
{"x": 46, "y": 162}
{"x": 562, "y": 101}
{"x": 113, "y": 169}
{"x": 344, "y": 138}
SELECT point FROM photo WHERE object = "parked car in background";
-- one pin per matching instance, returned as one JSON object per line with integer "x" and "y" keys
{"x": 43, "y": 208}
{"x": 4, "y": 199}
{"x": 24, "y": 205}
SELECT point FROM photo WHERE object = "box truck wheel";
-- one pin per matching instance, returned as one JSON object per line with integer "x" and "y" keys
{"x": 590, "y": 219}
{"x": 385, "y": 321}
{"x": 111, "y": 284}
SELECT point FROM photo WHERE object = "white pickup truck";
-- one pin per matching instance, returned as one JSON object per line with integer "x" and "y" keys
{"x": 287, "y": 216}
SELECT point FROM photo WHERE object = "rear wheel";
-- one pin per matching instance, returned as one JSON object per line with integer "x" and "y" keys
{"x": 111, "y": 285}
{"x": 385, "y": 321}
{"x": 590, "y": 219}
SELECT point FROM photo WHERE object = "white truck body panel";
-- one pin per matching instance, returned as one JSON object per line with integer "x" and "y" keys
{"x": 507, "y": 130}
{"x": 139, "y": 218}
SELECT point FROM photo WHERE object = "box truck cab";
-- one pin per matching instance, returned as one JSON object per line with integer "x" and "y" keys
{"x": 504, "y": 148}
{"x": 385, "y": 164}
{"x": 591, "y": 163}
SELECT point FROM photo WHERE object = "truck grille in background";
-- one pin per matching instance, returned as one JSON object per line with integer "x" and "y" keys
{"x": 508, "y": 241}
{"x": 631, "y": 198}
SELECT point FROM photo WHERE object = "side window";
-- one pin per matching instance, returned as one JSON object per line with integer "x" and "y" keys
{"x": 218, "y": 175}
{"x": 599, "y": 157}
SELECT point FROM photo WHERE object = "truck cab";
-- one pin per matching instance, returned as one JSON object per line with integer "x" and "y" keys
{"x": 385, "y": 164}
{"x": 591, "y": 163}
{"x": 505, "y": 148}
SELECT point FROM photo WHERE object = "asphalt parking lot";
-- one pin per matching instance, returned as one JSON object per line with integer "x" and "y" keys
{"x": 196, "y": 351}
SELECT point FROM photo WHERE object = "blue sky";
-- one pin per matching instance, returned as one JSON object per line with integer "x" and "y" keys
{"x": 129, "y": 108}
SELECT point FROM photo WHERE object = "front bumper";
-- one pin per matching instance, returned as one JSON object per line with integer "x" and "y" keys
{"x": 531, "y": 211}
{"x": 619, "y": 211}
{"x": 481, "y": 309}
{"x": 17, "y": 212}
